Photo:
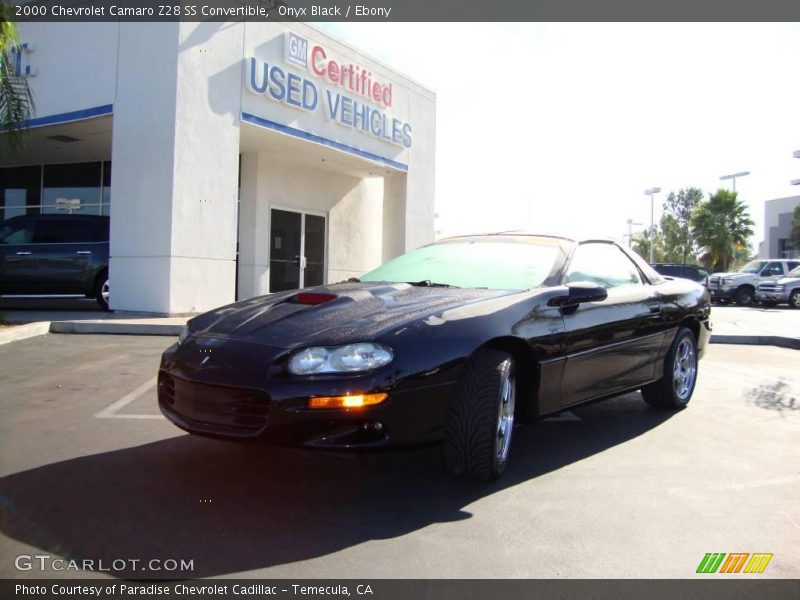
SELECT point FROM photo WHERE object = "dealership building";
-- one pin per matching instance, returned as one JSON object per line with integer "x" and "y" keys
{"x": 234, "y": 159}
{"x": 778, "y": 216}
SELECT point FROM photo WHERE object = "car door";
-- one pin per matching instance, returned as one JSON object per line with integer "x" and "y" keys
{"x": 62, "y": 254}
{"x": 17, "y": 268}
{"x": 611, "y": 345}
{"x": 772, "y": 271}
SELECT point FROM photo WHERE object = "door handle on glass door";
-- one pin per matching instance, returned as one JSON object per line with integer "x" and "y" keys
{"x": 23, "y": 253}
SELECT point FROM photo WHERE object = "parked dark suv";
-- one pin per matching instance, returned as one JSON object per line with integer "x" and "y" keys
{"x": 693, "y": 272}
{"x": 62, "y": 256}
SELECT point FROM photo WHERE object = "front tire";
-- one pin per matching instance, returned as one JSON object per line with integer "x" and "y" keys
{"x": 744, "y": 296}
{"x": 794, "y": 299}
{"x": 676, "y": 386}
{"x": 480, "y": 417}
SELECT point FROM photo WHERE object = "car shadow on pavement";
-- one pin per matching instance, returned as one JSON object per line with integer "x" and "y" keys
{"x": 233, "y": 508}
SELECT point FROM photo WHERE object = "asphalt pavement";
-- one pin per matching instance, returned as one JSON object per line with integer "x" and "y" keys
{"x": 89, "y": 470}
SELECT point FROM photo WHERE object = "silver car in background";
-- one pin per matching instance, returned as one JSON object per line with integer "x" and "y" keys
{"x": 782, "y": 291}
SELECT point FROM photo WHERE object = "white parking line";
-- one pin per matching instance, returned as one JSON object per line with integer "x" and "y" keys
{"x": 111, "y": 411}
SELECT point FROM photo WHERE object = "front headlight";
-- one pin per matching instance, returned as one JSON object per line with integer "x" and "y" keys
{"x": 340, "y": 359}
{"x": 184, "y": 335}
{"x": 728, "y": 281}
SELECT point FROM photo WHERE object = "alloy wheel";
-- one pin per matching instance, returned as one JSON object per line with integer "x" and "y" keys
{"x": 505, "y": 418}
{"x": 684, "y": 369}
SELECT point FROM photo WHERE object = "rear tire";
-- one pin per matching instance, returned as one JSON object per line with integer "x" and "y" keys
{"x": 744, "y": 296}
{"x": 480, "y": 417}
{"x": 675, "y": 388}
{"x": 101, "y": 290}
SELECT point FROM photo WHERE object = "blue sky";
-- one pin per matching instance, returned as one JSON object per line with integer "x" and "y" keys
{"x": 560, "y": 127}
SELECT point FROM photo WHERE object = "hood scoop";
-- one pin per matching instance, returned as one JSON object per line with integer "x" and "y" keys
{"x": 312, "y": 298}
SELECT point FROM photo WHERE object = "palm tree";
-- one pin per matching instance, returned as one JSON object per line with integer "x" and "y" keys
{"x": 16, "y": 101}
{"x": 722, "y": 226}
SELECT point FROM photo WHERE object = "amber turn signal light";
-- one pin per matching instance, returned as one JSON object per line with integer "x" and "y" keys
{"x": 355, "y": 401}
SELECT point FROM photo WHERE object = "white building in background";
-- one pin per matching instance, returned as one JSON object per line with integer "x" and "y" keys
{"x": 235, "y": 159}
{"x": 778, "y": 215}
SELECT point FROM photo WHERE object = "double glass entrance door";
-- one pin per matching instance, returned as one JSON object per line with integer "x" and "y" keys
{"x": 296, "y": 250}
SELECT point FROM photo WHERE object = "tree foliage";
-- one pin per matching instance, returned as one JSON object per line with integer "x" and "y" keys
{"x": 16, "y": 101}
{"x": 722, "y": 226}
{"x": 676, "y": 232}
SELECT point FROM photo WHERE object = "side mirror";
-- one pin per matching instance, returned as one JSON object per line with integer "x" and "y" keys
{"x": 586, "y": 291}
{"x": 578, "y": 292}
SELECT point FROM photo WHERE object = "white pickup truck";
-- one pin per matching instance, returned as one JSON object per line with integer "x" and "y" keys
{"x": 741, "y": 286}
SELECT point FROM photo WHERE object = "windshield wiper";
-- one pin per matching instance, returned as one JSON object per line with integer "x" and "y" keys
{"x": 352, "y": 280}
{"x": 429, "y": 283}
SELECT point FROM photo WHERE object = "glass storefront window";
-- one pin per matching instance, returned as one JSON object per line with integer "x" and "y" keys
{"x": 106, "y": 208}
{"x": 20, "y": 191}
{"x": 72, "y": 188}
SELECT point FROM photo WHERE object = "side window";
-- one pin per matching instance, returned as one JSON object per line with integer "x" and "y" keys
{"x": 604, "y": 264}
{"x": 20, "y": 232}
{"x": 62, "y": 231}
{"x": 773, "y": 268}
{"x": 792, "y": 265}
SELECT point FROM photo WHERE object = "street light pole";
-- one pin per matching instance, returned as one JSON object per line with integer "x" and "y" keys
{"x": 733, "y": 176}
{"x": 630, "y": 231}
{"x": 652, "y": 192}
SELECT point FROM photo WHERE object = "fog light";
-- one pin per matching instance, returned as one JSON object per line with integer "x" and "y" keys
{"x": 355, "y": 401}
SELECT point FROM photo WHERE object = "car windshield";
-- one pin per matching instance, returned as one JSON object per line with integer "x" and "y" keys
{"x": 475, "y": 263}
{"x": 752, "y": 267}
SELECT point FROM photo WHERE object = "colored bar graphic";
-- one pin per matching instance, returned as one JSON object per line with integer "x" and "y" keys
{"x": 758, "y": 563}
{"x": 710, "y": 562}
{"x": 713, "y": 562}
{"x": 734, "y": 562}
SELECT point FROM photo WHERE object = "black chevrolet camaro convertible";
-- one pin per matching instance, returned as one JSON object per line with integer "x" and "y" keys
{"x": 454, "y": 342}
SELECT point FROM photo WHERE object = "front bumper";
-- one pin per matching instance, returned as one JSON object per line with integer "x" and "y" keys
{"x": 242, "y": 400}
{"x": 720, "y": 293}
{"x": 781, "y": 296}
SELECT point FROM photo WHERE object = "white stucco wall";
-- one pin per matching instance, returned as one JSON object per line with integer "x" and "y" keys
{"x": 75, "y": 65}
{"x": 352, "y": 206}
{"x": 178, "y": 92}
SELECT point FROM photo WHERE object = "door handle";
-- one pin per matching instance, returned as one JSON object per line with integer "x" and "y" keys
{"x": 655, "y": 309}
{"x": 23, "y": 253}
{"x": 83, "y": 252}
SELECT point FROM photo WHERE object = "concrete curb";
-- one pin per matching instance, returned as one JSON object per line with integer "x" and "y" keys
{"x": 115, "y": 328}
{"x": 23, "y": 332}
{"x": 757, "y": 340}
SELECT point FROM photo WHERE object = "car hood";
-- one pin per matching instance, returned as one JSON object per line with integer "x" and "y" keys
{"x": 732, "y": 275}
{"x": 788, "y": 280}
{"x": 360, "y": 312}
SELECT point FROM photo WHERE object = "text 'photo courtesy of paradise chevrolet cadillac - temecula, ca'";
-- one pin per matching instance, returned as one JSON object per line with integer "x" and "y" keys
{"x": 455, "y": 342}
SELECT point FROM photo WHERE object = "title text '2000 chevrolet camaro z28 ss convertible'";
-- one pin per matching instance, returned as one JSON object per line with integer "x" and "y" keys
{"x": 452, "y": 342}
